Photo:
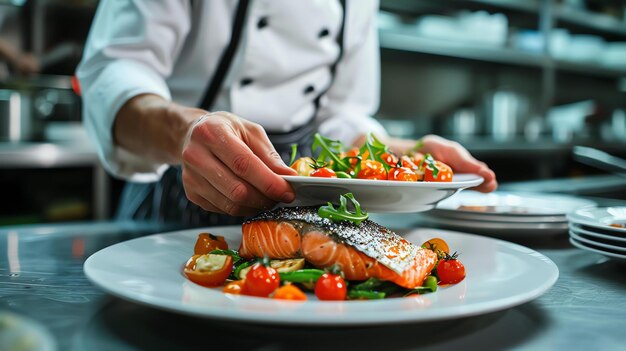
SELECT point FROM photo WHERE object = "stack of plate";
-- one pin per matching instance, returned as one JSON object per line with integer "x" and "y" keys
{"x": 506, "y": 213}
{"x": 601, "y": 230}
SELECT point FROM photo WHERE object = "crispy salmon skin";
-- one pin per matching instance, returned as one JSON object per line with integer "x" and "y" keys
{"x": 361, "y": 251}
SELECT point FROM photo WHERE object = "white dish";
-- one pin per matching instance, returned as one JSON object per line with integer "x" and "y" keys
{"x": 147, "y": 270}
{"x": 586, "y": 247}
{"x": 600, "y": 217}
{"x": 465, "y": 215}
{"x": 512, "y": 206}
{"x": 600, "y": 245}
{"x": 576, "y": 228}
{"x": 499, "y": 229}
{"x": 382, "y": 196}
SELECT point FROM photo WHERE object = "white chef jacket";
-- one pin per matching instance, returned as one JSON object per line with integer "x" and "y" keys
{"x": 171, "y": 48}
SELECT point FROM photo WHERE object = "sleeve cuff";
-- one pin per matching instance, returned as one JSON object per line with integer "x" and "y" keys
{"x": 117, "y": 83}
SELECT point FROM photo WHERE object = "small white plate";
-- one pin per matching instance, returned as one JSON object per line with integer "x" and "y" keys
{"x": 576, "y": 228}
{"x": 147, "y": 270}
{"x": 382, "y": 196}
{"x": 513, "y": 206}
{"x": 599, "y": 244}
{"x": 586, "y": 247}
{"x": 600, "y": 217}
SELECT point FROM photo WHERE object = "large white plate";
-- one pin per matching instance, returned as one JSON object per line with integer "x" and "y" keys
{"x": 148, "y": 270}
{"x": 382, "y": 196}
{"x": 512, "y": 206}
{"x": 600, "y": 217}
{"x": 499, "y": 229}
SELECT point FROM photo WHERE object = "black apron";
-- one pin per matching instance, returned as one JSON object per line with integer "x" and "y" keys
{"x": 165, "y": 201}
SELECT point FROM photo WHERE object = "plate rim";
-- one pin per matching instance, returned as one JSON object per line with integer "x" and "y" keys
{"x": 476, "y": 308}
{"x": 599, "y": 244}
{"x": 474, "y": 180}
{"x": 575, "y": 228}
{"x": 582, "y": 246}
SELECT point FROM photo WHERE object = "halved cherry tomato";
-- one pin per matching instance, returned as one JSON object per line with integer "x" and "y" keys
{"x": 303, "y": 166}
{"x": 324, "y": 172}
{"x": 209, "y": 270}
{"x": 408, "y": 162}
{"x": 450, "y": 271}
{"x": 330, "y": 287}
{"x": 371, "y": 169}
{"x": 390, "y": 158}
{"x": 261, "y": 281}
{"x": 234, "y": 287}
{"x": 403, "y": 174}
{"x": 208, "y": 242}
{"x": 418, "y": 157}
{"x": 435, "y": 244}
{"x": 444, "y": 175}
{"x": 289, "y": 292}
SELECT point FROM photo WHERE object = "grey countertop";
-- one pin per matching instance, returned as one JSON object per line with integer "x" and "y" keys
{"x": 41, "y": 278}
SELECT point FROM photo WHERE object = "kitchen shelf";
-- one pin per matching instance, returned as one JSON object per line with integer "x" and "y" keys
{"x": 403, "y": 41}
{"x": 598, "y": 23}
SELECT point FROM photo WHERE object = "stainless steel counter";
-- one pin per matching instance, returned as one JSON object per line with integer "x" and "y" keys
{"x": 41, "y": 278}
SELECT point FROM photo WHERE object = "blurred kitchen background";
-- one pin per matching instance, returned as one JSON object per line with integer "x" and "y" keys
{"x": 520, "y": 83}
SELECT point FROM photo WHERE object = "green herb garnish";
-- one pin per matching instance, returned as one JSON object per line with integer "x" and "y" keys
{"x": 342, "y": 213}
{"x": 375, "y": 149}
{"x": 329, "y": 151}
{"x": 294, "y": 151}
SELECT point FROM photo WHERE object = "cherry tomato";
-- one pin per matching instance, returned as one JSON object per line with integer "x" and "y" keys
{"x": 435, "y": 244}
{"x": 408, "y": 163}
{"x": 289, "y": 292}
{"x": 208, "y": 270}
{"x": 208, "y": 242}
{"x": 390, "y": 158}
{"x": 403, "y": 174}
{"x": 330, "y": 287}
{"x": 371, "y": 169}
{"x": 261, "y": 281}
{"x": 450, "y": 271}
{"x": 303, "y": 166}
{"x": 323, "y": 172}
{"x": 235, "y": 287}
{"x": 444, "y": 175}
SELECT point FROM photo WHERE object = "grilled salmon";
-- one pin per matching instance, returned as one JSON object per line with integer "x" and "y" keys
{"x": 361, "y": 251}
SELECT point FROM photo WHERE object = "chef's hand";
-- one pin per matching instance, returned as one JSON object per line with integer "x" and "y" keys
{"x": 448, "y": 152}
{"x": 230, "y": 166}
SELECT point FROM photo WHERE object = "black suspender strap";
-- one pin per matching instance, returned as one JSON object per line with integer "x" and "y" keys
{"x": 227, "y": 56}
{"x": 333, "y": 68}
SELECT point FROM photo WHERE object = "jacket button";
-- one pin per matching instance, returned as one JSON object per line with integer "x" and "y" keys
{"x": 323, "y": 33}
{"x": 262, "y": 23}
{"x": 309, "y": 89}
{"x": 246, "y": 81}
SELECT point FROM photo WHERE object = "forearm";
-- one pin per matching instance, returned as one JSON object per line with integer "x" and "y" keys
{"x": 153, "y": 127}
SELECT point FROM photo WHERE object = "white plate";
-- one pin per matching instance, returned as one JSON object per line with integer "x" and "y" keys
{"x": 600, "y": 245}
{"x": 600, "y": 217}
{"x": 508, "y": 206}
{"x": 382, "y": 196}
{"x": 499, "y": 229}
{"x": 604, "y": 235}
{"x": 148, "y": 271}
{"x": 586, "y": 247}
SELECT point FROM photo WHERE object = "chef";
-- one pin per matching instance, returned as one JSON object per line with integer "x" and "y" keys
{"x": 195, "y": 102}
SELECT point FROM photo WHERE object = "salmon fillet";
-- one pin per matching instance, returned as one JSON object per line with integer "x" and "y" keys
{"x": 361, "y": 251}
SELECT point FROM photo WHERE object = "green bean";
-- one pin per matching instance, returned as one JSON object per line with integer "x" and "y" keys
{"x": 430, "y": 285}
{"x": 366, "y": 295}
{"x": 302, "y": 275}
{"x": 239, "y": 268}
{"x": 341, "y": 174}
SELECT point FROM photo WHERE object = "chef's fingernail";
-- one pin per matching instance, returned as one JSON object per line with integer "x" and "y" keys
{"x": 288, "y": 197}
